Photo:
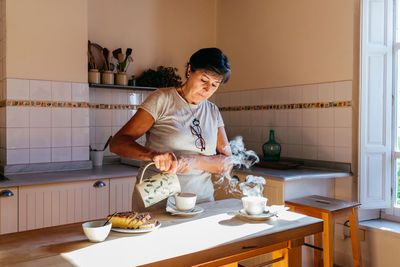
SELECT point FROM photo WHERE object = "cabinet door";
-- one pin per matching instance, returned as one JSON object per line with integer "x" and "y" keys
{"x": 8, "y": 210}
{"x": 55, "y": 204}
{"x": 121, "y": 191}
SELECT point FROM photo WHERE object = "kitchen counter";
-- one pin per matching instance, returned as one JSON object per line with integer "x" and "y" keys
{"x": 297, "y": 173}
{"x": 122, "y": 170}
{"x": 104, "y": 172}
{"x": 180, "y": 241}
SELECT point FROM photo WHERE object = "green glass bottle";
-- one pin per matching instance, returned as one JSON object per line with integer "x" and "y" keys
{"x": 271, "y": 149}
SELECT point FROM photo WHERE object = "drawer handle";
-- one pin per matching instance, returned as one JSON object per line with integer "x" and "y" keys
{"x": 99, "y": 184}
{"x": 6, "y": 193}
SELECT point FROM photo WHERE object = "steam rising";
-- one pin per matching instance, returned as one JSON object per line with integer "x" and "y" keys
{"x": 241, "y": 156}
{"x": 253, "y": 186}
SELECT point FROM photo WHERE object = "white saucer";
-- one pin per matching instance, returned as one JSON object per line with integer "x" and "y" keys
{"x": 269, "y": 212}
{"x": 174, "y": 211}
{"x": 259, "y": 217}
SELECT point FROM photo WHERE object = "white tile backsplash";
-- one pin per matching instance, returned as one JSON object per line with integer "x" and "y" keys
{"x": 310, "y": 133}
{"x": 102, "y": 134}
{"x": 17, "y": 156}
{"x": 17, "y": 89}
{"x": 343, "y": 154}
{"x": 119, "y": 97}
{"x": 343, "y": 117}
{"x": 40, "y": 90}
{"x": 61, "y": 137}
{"x": 61, "y": 117}
{"x": 80, "y": 117}
{"x": 309, "y": 93}
{"x": 40, "y": 117}
{"x": 102, "y": 95}
{"x": 326, "y": 137}
{"x": 60, "y": 154}
{"x": 80, "y": 136}
{"x": 39, "y": 155}
{"x": 17, "y": 138}
{"x": 17, "y": 116}
{"x": 39, "y": 137}
{"x": 80, "y": 153}
{"x": 326, "y": 153}
{"x": 80, "y": 92}
{"x": 103, "y": 117}
{"x": 325, "y": 92}
{"x": 326, "y": 117}
{"x": 343, "y": 137}
{"x": 63, "y": 134}
{"x": 61, "y": 91}
{"x": 310, "y": 118}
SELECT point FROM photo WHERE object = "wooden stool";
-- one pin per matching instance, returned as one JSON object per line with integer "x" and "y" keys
{"x": 328, "y": 209}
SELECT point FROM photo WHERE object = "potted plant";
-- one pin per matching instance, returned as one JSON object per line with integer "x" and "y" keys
{"x": 160, "y": 77}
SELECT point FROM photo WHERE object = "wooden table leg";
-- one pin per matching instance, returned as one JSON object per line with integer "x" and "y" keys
{"x": 328, "y": 239}
{"x": 317, "y": 253}
{"x": 291, "y": 255}
{"x": 355, "y": 243}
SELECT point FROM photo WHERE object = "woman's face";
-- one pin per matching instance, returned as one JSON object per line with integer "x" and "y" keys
{"x": 201, "y": 85}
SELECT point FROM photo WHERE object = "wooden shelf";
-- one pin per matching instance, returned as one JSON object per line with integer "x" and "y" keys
{"x": 126, "y": 87}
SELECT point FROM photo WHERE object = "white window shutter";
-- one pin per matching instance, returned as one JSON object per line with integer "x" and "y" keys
{"x": 375, "y": 117}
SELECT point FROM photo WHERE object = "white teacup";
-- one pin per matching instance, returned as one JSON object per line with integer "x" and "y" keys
{"x": 254, "y": 205}
{"x": 185, "y": 201}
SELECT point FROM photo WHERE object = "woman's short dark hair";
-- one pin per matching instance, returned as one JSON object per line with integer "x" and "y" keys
{"x": 210, "y": 59}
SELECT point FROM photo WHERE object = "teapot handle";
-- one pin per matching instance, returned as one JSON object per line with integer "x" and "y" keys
{"x": 144, "y": 169}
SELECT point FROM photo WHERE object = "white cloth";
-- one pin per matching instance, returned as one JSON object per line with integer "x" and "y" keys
{"x": 171, "y": 133}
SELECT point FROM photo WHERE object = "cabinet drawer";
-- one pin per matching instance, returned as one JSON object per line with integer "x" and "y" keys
{"x": 8, "y": 210}
{"x": 55, "y": 204}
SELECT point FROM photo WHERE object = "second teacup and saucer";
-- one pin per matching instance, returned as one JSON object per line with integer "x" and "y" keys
{"x": 183, "y": 204}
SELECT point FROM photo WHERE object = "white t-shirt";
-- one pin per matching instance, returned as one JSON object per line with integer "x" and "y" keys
{"x": 171, "y": 133}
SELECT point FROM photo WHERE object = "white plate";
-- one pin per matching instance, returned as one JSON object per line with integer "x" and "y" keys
{"x": 174, "y": 211}
{"x": 136, "y": 231}
{"x": 259, "y": 217}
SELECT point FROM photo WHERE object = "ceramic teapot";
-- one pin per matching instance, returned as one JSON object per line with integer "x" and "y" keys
{"x": 158, "y": 187}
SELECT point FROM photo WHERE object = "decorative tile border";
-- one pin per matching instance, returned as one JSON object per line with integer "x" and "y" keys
{"x": 114, "y": 106}
{"x": 65, "y": 104}
{"x": 43, "y": 104}
{"x": 290, "y": 106}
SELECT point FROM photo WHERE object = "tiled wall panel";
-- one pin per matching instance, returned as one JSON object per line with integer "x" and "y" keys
{"x": 305, "y": 130}
{"x": 110, "y": 110}
{"x": 44, "y": 121}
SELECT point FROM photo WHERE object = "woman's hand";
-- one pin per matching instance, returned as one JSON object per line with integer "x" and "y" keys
{"x": 184, "y": 165}
{"x": 166, "y": 162}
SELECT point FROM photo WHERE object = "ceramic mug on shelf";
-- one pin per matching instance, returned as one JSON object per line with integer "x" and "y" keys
{"x": 158, "y": 187}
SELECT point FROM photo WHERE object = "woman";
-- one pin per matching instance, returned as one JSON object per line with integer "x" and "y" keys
{"x": 184, "y": 131}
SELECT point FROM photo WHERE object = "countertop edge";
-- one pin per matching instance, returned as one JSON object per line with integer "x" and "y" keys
{"x": 105, "y": 172}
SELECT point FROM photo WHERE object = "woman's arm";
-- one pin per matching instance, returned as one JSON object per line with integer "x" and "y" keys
{"x": 124, "y": 143}
{"x": 221, "y": 163}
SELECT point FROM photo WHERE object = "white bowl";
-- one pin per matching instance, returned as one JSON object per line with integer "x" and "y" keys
{"x": 95, "y": 231}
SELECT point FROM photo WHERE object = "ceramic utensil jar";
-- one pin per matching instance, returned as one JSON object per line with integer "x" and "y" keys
{"x": 121, "y": 78}
{"x": 107, "y": 77}
{"x": 94, "y": 76}
{"x": 158, "y": 187}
